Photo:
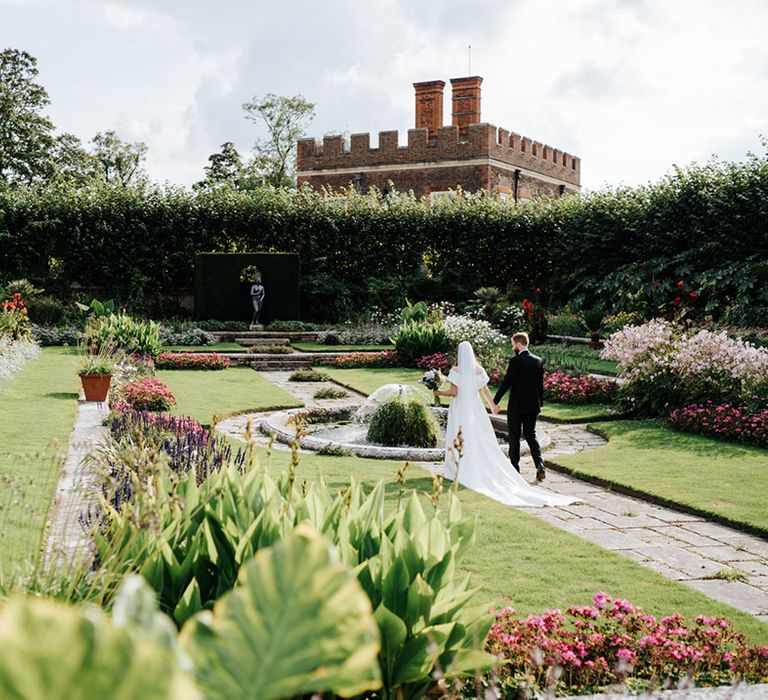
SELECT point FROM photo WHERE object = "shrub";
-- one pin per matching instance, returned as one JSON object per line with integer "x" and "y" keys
{"x": 385, "y": 358}
{"x": 187, "y": 336}
{"x": 289, "y": 326}
{"x": 439, "y": 360}
{"x": 329, "y": 338}
{"x": 147, "y": 394}
{"x": 480, "y": 333}
{"x": 47, "y": 311}
{"x": 565, "y": 322}
{"x": 399, "y": 422}
{"x": 668, "y": 367}
{"x": 191, "y": 360}
{"x": 578, "y": 388}
{"x": 726, "y": 421}
{"x": 219, "y": 326}
{"x": 622, "y": 319}
{"x": 66, "y": 335}
{"x": 308, "y": 375}
{"x": 271, "y": 349}
{"x": 121, "y": 332}
{"x": 330, "y": 393}
{"x": 414, "y": 340}
{"x": 590, "y": 648}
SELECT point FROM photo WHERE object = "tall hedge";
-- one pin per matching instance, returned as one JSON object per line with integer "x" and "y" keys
{"x": 623, "y": 248}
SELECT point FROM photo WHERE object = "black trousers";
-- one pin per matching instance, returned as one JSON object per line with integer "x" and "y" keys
{"x": 523, "y": 425}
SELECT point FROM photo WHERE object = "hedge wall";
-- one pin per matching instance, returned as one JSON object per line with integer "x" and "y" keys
{"x": 624, "y": 248}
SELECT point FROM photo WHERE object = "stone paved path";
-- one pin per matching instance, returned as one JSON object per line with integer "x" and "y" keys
{"x": 76, "y": 489}
{"x": 721, "y": 562}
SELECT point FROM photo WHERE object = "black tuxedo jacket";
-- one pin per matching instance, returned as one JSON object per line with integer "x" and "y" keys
{"x": 525, "y": 382}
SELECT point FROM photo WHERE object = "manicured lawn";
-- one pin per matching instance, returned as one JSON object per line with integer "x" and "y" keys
{"x": 367, "y": 381}
{"x": 711, "y": 476}
{"x": 576, "y": 357}
{"x": 522, "y": 561}
{"x": 318, "y": 347}
{"x": 563, "y": 412}
{"x": 37, "y": 413}
{"x": 215, "y": 347}
{"x": 203, "y": 394}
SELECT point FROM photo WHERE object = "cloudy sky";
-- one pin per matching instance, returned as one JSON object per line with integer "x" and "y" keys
{"x": 631, "y": 86}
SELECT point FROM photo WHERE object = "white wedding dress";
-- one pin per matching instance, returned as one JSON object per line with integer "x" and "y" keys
{"x": 483, "y": 467}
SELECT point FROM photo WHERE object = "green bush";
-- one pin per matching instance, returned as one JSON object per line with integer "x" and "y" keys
{"x": 46, "y": 311}
{"x": 565, "y": 322}
{"x": 416, "y": 340}
{"x": 121, "y": 332}
{"x": 400, "y": 422}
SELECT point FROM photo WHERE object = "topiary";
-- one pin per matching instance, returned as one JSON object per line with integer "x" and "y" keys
{"x": 400, "y": 422}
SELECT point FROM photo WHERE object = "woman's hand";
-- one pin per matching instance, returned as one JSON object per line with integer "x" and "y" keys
{"x": 436, "y": 392}
{"x": 495, "y": 409}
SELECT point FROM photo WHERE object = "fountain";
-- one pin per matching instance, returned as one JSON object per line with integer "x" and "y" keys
{"x": 345, "y": 429}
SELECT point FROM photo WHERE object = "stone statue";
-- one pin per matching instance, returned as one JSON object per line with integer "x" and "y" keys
{"x": 257, "y": 299}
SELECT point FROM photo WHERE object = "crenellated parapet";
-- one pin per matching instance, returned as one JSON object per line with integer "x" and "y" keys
{"x": 449, "y": 144}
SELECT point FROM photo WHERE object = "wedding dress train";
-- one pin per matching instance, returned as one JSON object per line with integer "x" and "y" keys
{"x": 483, "y": 467}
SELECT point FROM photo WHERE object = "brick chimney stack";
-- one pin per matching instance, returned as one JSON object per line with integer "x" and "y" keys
{"x": 466, "y": 101}
{"x": 429, "y": 105}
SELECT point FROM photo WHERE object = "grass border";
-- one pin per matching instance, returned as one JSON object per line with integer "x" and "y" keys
{"x": 655, "y": 499}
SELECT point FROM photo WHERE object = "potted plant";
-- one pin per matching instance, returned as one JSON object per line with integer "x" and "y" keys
{"x": 593, "y": 321}
{"x": 96, "y": 375}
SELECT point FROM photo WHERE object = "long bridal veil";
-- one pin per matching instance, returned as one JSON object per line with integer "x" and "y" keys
{"x": 476, "y": 458}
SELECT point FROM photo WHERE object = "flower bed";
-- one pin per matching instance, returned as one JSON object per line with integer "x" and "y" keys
{"x": 577, "y": 389}
{"x": 188, "y": 360}
{"x": 13, "y": 355}
{"x": 726, "y": 421}
{"x": 350, "y": 360}
{"x": 147, "y": 394}
{"x": 590, "y": 648}
{"x": 668, "y": 367}
{"x": 439, "y": 360}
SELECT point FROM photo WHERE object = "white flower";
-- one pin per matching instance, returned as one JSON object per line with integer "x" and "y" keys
{"x": 13, "y": 355}
{"x": 480, "y": 333}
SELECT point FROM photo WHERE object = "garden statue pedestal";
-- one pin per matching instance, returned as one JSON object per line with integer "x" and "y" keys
{"x": 255, "y": 327}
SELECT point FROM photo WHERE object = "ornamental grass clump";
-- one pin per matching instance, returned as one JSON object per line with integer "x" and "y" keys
{"x": 191, "y": 360}
{"x": 401, "y": 422}
{"x": 590, "y": 648}
{"x": 415, "y": 340}
{"x": 562, "y": 387}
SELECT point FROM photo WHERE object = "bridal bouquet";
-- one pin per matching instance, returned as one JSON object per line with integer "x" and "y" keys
{"x": 433, "y": 380}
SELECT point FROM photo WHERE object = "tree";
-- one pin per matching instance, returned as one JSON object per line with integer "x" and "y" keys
{"x": 119, "y": 161}
{"x": 286, "y": 118}
{"x": 226, "y": 166}
{"x": 71, "y": 162}
{"x": 25, "y": 133}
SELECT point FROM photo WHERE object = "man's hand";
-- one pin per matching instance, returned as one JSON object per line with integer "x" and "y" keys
{"x": 495, "y": 409}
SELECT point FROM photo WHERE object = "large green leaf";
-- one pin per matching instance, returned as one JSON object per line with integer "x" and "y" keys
{"x": 56, "y": 652}
{"x": 298, "y": 622}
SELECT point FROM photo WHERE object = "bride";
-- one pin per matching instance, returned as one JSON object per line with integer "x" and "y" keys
{"x": 482, "y": 466}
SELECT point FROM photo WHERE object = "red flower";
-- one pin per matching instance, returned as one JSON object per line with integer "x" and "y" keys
{"x": 694, "y": 295}
{"x": 538, "y": 290}
{"x": 680, "y": 284}
{"x": 677, "y": 301}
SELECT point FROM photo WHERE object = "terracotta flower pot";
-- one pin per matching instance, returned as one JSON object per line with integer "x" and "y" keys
{"x": 96, "y": 386}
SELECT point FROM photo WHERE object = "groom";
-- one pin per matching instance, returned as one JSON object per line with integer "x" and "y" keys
{"x": 525, "y": 381}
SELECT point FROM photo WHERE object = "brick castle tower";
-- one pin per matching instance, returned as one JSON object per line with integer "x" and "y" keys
{"x": 468, "y": 154}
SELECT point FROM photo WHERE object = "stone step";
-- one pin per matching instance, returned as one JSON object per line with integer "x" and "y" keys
{"x": 248, "y": 342}
{"x": 280, "y": 365}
